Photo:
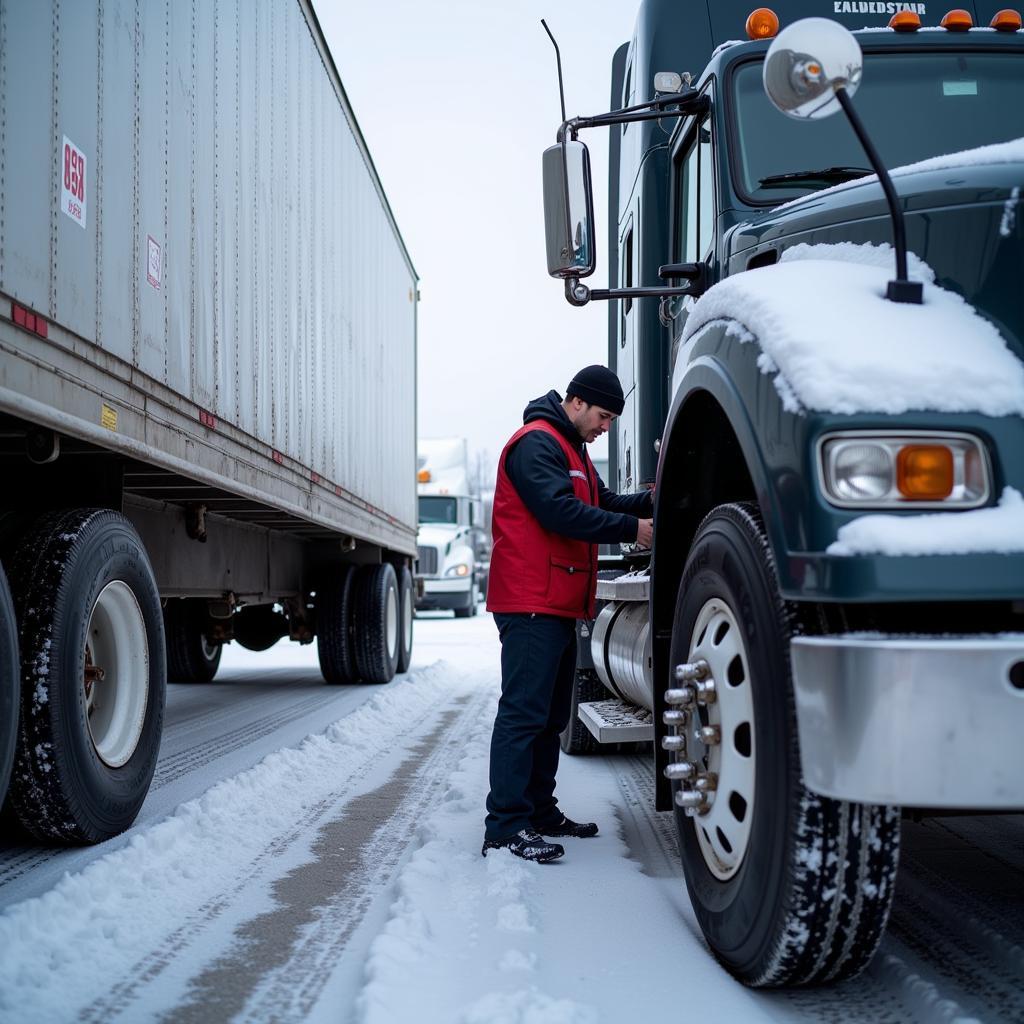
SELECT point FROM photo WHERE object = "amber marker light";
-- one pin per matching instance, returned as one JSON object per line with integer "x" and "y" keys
{"x": 905, "y": 21}
{"x": 423, "y": 476}
{"x": 957, "y": 20}
{"x": 924, "y": 472}
{"x": 1006, "y": 21}
{"x": 762, "y": 24}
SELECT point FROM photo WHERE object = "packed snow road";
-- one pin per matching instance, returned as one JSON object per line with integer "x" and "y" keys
{"x": 312, "y": 853}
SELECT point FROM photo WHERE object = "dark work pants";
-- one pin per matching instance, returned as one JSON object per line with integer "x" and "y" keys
{"x": 538, "y": 663}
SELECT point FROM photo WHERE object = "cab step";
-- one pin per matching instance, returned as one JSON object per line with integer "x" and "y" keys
{"x": 615, "y": 721}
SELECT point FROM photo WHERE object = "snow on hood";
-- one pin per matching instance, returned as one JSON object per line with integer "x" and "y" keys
{"x": 834, "y": 343}
{"x": 998, "y": 530}
{"x": 438, "y": 534}
{"x": 1011, "y": 152}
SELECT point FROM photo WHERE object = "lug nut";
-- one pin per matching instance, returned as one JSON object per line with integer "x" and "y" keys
{"x": 685, "y": 696}
{"x": 680, "y": 770}
{"x": 673, "y": 743}
{"x": 689, "y": 798}
{"x": 707, "y": 692}
{"x": 710, "y": 735}
{"x": 675, "y": 719}
{"x": 689, "y": 671}
{"x": 706, "y": 782}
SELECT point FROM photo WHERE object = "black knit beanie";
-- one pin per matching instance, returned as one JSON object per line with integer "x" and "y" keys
{"x": 597, "y": 385}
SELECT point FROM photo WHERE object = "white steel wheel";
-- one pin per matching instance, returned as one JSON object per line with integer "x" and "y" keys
{"x": 116, "y": 674}
{"x": 723, "y": 830}
{"x": 406, "y": 603}
{"x": 391, "y": 623}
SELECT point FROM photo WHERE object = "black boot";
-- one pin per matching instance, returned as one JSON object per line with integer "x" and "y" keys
{"x": 569, "y": 828}
{"x": 526, "y": 844}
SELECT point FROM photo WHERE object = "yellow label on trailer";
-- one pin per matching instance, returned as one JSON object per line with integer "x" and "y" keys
{"x": 108, "y": 417}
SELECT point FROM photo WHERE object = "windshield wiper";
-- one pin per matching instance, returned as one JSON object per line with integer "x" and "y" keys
{"x": 822, "y": 178}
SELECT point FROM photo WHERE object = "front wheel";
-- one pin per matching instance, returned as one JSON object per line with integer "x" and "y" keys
{"x": 93, "y": 675}
{"x": 789, "y": 888}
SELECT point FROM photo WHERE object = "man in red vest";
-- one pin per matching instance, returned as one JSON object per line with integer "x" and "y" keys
{"x": 551, "y": 511}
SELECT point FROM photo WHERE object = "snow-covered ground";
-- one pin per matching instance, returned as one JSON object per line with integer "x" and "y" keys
{"x": 339, "y": 878}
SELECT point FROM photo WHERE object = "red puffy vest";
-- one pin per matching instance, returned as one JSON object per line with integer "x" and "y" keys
{"x": 533, "y": 569}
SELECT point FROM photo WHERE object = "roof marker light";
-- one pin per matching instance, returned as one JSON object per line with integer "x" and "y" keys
{"x": 905, "y": 21}
{"x": 762, "y": 24}
{"x": 1006, "y": 20}
{"x": 957, "y": 20}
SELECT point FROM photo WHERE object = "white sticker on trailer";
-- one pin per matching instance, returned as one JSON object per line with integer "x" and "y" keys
{"x": 73, "y": 194}
{"x": 154, "y": 262}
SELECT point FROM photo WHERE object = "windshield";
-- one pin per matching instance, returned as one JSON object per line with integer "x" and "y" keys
{"x": 915, "y": 105}
{"x": 438, "y": 510}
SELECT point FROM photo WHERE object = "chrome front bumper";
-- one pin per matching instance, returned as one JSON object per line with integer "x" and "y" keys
{"x": 922, "y": 722}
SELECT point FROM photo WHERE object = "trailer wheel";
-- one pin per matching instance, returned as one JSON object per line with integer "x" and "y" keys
{"x": 789, "y": 888}
{"x": 377, "y": 623}
{"x": 406, "y": 600}
{"x": 191, "y": 657}
{"x": 92, "y": 679}
{"x": 9, "y": 666}
{"x": 334, "y": 641}
{"x": 576, "y": 738}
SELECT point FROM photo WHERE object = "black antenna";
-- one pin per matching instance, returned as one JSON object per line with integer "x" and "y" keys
{"x": 558, "y": 57}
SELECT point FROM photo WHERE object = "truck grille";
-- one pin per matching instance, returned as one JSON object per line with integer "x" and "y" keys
{"x": 426, "y": 561}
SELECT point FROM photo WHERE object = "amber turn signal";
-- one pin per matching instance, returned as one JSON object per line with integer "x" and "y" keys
{"x": 924, "y": 472}
{"x": 905, "y": 21}
{"x": 762, "y": 24}
{"x": 1006, "y": 21}
{"x": 957, "y": 20}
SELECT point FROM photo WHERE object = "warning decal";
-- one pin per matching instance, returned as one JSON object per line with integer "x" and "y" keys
{"x": 154, "y": 262}
{"x": 73, "y": 192}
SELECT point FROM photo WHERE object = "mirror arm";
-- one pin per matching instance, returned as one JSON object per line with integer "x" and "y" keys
{"x": 902, "y": 289}
{"x": 578, "y": 294}
{"x": 687, "y": 102}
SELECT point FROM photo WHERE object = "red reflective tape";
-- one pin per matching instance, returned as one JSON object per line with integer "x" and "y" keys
{"x": 315, "y": 477}
{"x": 337, "y": 490}
{"x": 30, "y": 322}
{"x": 18, "y": 314}
{"x": 207, "y": 419}
{"x": 42, "y": 327}
{"x": 278, "y": 458}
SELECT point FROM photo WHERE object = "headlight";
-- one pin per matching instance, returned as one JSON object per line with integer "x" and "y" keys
{"x": 457, "y": 570}
{"x": 863, "y": 469}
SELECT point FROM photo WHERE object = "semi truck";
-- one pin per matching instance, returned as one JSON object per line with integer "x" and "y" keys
{"x": 207, "y": 382}
{"x": 452, "y": 546}
{"x": 828, "y": 632}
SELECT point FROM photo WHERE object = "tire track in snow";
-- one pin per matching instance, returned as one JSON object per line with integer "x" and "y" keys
{"x": 284, "y": 957}
{"x": 947, "y": 953}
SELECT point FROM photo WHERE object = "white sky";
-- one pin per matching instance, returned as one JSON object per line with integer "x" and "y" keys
{"x": 457, "y": 101}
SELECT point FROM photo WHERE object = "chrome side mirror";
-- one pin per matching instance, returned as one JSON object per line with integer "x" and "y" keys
{"x": 569, "y": 210}
{"x": 805, "y": 65}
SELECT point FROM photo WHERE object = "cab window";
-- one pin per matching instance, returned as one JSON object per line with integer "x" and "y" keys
{"x": 695, "y": 197}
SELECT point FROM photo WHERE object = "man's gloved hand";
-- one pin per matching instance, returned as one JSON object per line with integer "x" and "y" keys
{"x": 644, "y": 533}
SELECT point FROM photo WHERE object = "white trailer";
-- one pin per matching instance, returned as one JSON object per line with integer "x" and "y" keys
{"x": 207, "y": 380}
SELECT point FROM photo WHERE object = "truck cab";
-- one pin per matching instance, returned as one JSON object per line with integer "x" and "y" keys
{"x": 453, "y": 552}
{"x": 818, "y": 639}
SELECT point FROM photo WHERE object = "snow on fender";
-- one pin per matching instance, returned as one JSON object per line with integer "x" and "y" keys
{"x": 832, "y": 342}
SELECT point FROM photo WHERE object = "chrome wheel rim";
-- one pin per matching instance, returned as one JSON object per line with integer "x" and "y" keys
{"x": 116, "y": 677}
{"x": 723, "y": 829}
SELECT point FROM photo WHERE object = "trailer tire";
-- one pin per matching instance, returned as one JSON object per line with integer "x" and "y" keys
{"x": 9, "y": 672}
{"x": 406, "y": 601}
{"x": 191, "y": 658}
{"x": 800, "y": 894}
{"x": 334, "y": 641}
{"x": 86, "y": 601}
{"x": 576, "y": 738}
{"x": 377, "y": 623}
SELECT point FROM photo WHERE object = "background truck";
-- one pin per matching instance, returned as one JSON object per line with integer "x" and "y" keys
{"x": 804, "y": 667}
{"x": 453, "y": 545}
{"x": 207, "y": 386}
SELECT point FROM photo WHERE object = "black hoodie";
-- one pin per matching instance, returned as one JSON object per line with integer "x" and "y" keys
{"x": 539, "y": 471}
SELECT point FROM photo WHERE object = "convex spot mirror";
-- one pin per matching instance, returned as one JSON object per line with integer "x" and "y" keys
{"x": 805, "y": 65}
{"x": 568, "y": 210}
